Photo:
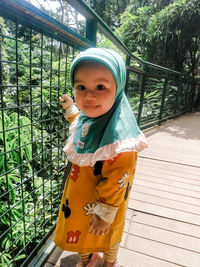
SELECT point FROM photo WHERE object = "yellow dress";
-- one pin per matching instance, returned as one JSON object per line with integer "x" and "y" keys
{"x": 103, "y": 189}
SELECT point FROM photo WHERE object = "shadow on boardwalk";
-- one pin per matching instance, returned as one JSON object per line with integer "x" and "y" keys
{"x": 163, "y": 219}
{"x": 186, "y": 127}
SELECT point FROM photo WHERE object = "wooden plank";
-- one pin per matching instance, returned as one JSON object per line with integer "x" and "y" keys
{"x": 165, "y": 237}
{"x": 167, "y": 165}
{"x": 172, "y": 204}
{"x": 130, "y": 258}
{"x": 171, "y": 169}
{"x": 162, "y": 181}
{"x": 167, "y": 224}
{"x": 166, "y": 174}
{"x": 167, "y": 188}
{"x": 164, "y": 194}
{"x": 160, "y": 153}
{"x": 164, "y": 212}
{"x": 163, "y": 251}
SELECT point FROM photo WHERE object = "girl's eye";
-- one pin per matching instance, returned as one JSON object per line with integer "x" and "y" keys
{"x": 100, "y": 87}
{"x": 80, "y": 87}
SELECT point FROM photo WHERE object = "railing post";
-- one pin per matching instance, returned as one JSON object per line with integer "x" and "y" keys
{"x": 187, "y": 100}
{"x": 91, "y": 30}
{"x": 193, "y": 88}
{"x": 163, "y": 99}
{"x": 1, "y": 72}
{"x": 190, "y": 95}
{"x": 128, "y": 60}
{"x": 180, "y": 81}
{"x": 197, "y": 103}
{"x": 143, "y": 85}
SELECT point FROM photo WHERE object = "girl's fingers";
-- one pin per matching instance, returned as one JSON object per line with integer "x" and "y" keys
{"x": 96, "y": 228}
{"x": 62, "y": 100}
{"x": 66, "y": 101}
{"x": 106, "y": 232}
{"x": 92, "y": 230}
{"x": 91, "y": 220}
{"x": 91, "y": 225}
{"x": 96, "y": 232}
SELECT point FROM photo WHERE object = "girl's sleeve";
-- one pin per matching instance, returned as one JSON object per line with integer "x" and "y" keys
{"x": 117, "y": 178}
{"x": 71, "y": 113}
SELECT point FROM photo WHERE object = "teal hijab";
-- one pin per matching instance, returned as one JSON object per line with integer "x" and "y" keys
{"x": 117, "y": 125}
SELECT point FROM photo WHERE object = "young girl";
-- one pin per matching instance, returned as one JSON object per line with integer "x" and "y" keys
{"x": 102, "y": 146}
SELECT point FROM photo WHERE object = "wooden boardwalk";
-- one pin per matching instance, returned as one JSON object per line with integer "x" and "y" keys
{"x": 163, "y": 220}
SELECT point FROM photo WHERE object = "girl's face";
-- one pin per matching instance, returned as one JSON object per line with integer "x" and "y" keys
{"x": 94, "y": 89}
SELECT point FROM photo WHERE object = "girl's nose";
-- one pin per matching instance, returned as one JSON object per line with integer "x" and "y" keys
{"x": 89, "y": 95}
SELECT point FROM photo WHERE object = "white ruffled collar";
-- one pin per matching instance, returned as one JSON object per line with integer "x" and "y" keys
{"x": 103, "y": 153}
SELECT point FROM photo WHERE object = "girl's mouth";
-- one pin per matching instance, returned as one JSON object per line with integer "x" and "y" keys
{"x": 90, "y": 106}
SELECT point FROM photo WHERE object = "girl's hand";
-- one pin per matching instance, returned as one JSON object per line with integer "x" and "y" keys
{"x": 98, "y": 226}
{"x": 66, "y": 101}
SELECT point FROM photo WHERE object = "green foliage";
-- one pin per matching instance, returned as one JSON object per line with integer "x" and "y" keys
{"x": 133, "y": 29}
{"x": 103, "y": 41}
{"x": 32, "y": 134}
{"x": 10, "y": 163}
{"x": 109, "y": 11}
{"x": 164, "y": 32}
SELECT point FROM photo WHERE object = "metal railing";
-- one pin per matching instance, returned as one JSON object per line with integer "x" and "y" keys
{"x": 36, "y": 52}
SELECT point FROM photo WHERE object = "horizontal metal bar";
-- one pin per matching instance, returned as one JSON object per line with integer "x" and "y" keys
{"x": 43, "y": 104}
{"x": 37, "y": 247}
{"x": 44, "y": 66}
{"x": 30, "y": 178}
{"x": 33, "y": 191}
{"x": 27, "y": 213}
{"x": 84, "y": 9}
{"x": 135, "y": 70}
{"x": 26, "y": 197}
{"x": 33, "y": 123}
{"x": 161, "y": 68}
{"x": 29, "y": 15}
{"x": 35, "y": 173}
{"x": 155, "y": 122}
{"x": 87, "y": 12}
{"x": 44, "y": 253}
{"x": 22, "y": 250}
{"x": 32, "y": 45}
{"x": 32, "y": 86}
{"x": 26, "y": 162}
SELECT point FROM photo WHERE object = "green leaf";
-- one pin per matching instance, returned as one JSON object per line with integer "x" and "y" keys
{"x": 5, "y": 259}
{"x": 22, "y": 256}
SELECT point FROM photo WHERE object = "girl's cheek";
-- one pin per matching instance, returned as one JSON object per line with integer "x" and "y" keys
{"x": 75, "y": 95}
{"x": 77, "y": 99}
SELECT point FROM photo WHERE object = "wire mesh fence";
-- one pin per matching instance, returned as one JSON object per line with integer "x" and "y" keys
{"x": 33, "y": 74}
{"x": 157, "y": 94}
